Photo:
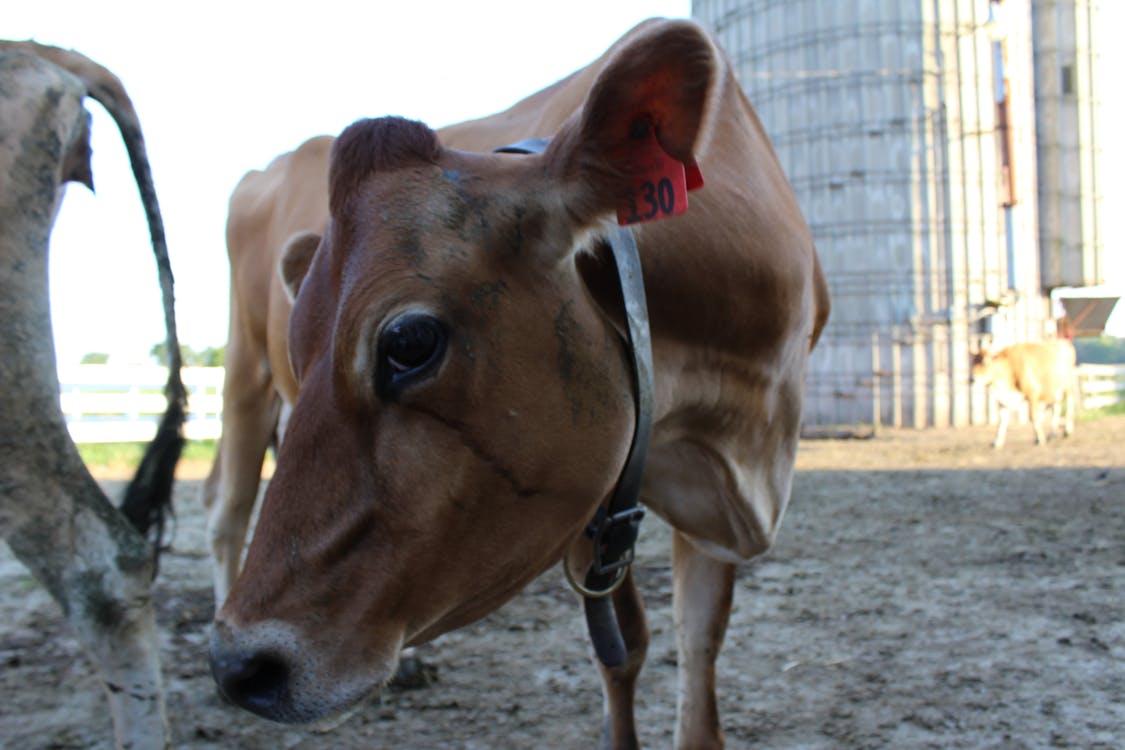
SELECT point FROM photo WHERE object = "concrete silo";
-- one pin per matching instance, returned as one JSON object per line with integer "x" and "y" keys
{"x": 907, "y": 128}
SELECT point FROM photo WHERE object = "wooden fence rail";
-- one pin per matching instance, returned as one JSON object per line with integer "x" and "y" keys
{"x": 1101, "y": 385}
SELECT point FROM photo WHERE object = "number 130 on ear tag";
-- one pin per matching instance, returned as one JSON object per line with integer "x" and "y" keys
{"x": 659, "y": 188}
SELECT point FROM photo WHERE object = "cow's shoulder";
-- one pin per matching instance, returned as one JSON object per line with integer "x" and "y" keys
{"x": 257, "y": 186}
{"x": 270, "y": 205}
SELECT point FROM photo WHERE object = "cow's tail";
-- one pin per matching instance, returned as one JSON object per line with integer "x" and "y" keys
{"x": 148, "y": 498}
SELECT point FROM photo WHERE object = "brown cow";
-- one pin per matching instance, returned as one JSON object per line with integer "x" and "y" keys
{"x": 466, "y": 403}
{"x": 54, "y": 516}
{"x": 1040, "y": 373}
{"x": 271, "y": 212}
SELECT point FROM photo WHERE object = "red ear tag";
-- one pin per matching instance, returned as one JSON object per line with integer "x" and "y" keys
{"x": 659, "y": 188}
{"x": 694, "y": 177}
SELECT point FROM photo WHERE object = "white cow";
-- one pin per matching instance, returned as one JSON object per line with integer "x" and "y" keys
{"x": 57, "y": 521}
{"x": 1041, "y": 373}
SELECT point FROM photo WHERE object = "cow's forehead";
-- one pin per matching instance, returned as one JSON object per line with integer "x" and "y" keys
{"x": 434, "y": 236}
{"x": 459, "y": 216}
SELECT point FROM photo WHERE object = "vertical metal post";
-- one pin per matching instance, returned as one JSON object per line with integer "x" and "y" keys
{"x": 876, "y": 384}
{"x": 896, "y": 379}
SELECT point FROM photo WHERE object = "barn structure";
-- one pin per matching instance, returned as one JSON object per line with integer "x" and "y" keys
{"x": 945, "y": 155}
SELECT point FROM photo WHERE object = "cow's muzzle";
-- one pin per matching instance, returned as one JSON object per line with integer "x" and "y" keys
{"x": 257, "y": 680}
{"x": 270, "y": 670}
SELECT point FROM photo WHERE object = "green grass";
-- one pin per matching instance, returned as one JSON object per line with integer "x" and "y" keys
{"x": 129, "y": 454}
{"x": 1105, "y": 411}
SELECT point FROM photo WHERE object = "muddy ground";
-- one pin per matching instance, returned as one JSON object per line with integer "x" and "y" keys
{"x": 926, "y": 592}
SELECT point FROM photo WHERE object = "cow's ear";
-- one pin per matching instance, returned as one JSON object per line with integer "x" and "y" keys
{"x": 295, "y": 260}
{"x": 655, "y": 93}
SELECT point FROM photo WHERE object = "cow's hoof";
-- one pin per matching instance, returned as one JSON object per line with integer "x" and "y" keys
{"x": 413, "y": 674}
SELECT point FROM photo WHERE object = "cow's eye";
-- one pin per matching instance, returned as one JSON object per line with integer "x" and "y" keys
{"x": 410, "y": 347}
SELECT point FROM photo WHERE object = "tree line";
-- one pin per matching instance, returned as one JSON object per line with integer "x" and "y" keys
{"x": 211, "y": 356}
{"x": 1103, "y": 350}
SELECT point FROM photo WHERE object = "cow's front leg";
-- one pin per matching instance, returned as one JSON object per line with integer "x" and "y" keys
{"x": 619, "y": 683}
{"x": 702, "y": 591}
{"x": 250, "y": 415}
{"x": 1051, "y": 421}
{"x": 1002, "y": 429}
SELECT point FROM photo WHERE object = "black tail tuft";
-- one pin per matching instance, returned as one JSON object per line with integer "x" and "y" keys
{"x": 148, "y": 499}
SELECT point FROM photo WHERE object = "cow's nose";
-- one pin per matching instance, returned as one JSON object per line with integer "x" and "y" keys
{"x": 256, "y": 681}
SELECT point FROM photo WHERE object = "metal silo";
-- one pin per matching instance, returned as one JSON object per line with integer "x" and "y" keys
{"x": 1066, "y": 109}
{"x": 907, "y": 129}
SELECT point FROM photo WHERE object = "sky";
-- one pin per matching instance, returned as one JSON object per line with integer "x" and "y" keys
{"x": 223, "y": 88}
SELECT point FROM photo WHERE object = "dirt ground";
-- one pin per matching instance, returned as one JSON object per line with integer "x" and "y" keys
{"x": 926, "y": 592}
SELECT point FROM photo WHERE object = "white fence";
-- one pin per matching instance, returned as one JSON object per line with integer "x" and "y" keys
{"x": 1101, "y": 385}
{"x": 123, "y": 404}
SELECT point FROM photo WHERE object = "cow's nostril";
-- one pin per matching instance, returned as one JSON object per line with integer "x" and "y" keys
{"x": 258, "y": 682}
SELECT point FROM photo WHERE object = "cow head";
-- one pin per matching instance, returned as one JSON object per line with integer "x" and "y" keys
{"x": 465, "y": 400}
{"x": 983, "y": 365}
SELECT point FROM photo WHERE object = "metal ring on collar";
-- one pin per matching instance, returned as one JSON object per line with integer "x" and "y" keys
{"x": 588, "y": 592}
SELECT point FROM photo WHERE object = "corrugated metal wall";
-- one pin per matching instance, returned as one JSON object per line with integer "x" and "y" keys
{"x": 907, "y": 130}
